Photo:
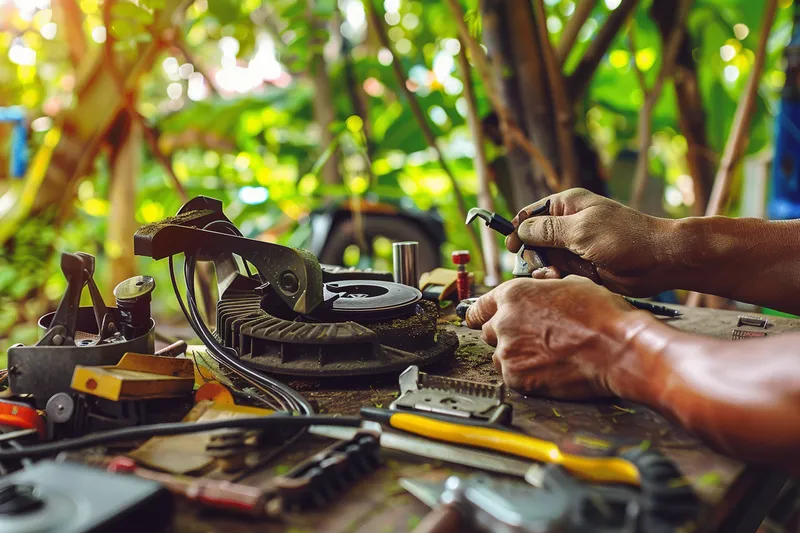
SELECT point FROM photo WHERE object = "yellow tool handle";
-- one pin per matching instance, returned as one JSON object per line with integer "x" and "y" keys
{"x": 597, "y": 469}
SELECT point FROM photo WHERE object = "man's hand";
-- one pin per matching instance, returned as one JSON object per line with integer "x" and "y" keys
{"x": 558, "y": 338}
{"x": 633, "y": 252}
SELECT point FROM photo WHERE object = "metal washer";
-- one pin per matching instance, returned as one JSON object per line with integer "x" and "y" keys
{"x": 370, "y": 300}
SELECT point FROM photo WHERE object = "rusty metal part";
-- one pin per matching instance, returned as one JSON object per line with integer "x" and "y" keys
{"x": 453, "y": 397}
{"x": 741, "y": 334}
{"x": 173, "y": 350}
{"x": 133, "y": 301}
{"x": 43, "y": 371}
{"x": 73, "y": 335}
{"x": 336, "y": 328}
{"x": 753, "y": 321}
{"x": 289, "y": 347}
{"x": 295, "y": 274}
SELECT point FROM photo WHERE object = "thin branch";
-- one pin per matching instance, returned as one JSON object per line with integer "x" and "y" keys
{"x": 376, "y": 20}
{"x": 738, "y": 138}
{"x": 579, "y": 79}
{"x": 512, "y": 135}
{"x": 573, "y": 27}
{"x": 671, "y": 47}
{"x": 127, "y": 96}
{"x": 73, "y": 23}
{"x": 631, "y": 40}
{"x": 485, "y": 200}
{"x": 561, "y": 106}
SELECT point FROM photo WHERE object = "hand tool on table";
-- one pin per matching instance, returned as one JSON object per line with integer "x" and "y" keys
{"x": 459, "y": 398}
{"x": 429, "y": 449}
{"x": 213, "y": 493}
{"x": 560, "y": 504}
{"x": 530, "y": 258}
{"x": 75, "y": 335}
{"x": 496, "y": 438}
{"x": 495, "y": 449}
{"x": 16, "y": 416}
{"x": 311, "y": 484}
{"x": 663, "y": 487}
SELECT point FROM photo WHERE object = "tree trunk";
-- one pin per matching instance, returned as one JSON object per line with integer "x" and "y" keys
{"x": 69, "y": 149}
{"x": 700, "y": 158}
{"x": 511, "y": 37}
{"x": 323, "y": 107}
{"x": 493, "y": 274}
{"x": 69, "y": 16}
{"x": 126, "y": 164}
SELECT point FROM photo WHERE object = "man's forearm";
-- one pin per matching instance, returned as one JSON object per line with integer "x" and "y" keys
{"x": 746, "y": 259}
{"x": 743, "y": 397}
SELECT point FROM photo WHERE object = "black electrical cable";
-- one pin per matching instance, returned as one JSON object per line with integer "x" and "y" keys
{"x": 277, "y": 403}
{"x": 177, "y": 428}
{"x": 291, "y": 399}
{"x": 286, "y": 397}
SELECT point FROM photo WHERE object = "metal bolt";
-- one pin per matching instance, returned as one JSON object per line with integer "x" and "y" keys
{"x": 289, "y": 282}
{"x": 58, "y": 340}
{"x": 460, "y": 257}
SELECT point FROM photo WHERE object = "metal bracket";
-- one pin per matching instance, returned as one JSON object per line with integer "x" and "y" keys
{"x": 454, "y": 397}
{"x": 296, "y": 274}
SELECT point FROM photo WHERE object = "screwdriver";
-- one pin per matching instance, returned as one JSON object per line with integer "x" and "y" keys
{"x": 224, "y": 495}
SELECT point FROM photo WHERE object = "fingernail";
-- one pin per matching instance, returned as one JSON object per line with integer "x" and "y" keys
{"x": 539, "y": 272}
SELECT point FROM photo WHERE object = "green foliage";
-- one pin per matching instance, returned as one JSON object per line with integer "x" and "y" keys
{"x": 260, "y": 132}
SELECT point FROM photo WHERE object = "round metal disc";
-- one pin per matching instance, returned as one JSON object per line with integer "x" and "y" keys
{"x": 369, "y": 300}
{"x": 134, "y": 288}
{"x": 60, "y": 407}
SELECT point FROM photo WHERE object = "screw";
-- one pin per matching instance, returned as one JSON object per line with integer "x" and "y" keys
{"x": 58, "y": 340}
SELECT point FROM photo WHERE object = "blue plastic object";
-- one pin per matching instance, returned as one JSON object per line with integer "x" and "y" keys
{"x": 784, "y": 199}
{"x": 18, "y": 162}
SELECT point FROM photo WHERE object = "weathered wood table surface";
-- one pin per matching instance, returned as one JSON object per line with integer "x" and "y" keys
{"x": 738, "y": 496}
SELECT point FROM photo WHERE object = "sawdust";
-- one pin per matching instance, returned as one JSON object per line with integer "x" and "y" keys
{"x": 473, "y": 354}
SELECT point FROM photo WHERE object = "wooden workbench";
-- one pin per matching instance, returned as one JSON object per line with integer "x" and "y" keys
{"x": 737, "y": 496}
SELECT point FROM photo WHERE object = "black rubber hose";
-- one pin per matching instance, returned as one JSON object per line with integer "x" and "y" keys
{"x": 177, "y": 428}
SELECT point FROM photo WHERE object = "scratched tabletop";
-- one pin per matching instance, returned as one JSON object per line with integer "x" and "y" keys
{"x": 377, "y": 504}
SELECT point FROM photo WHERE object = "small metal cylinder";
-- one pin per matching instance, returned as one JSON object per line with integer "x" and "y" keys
{"x": 406, "y": 263}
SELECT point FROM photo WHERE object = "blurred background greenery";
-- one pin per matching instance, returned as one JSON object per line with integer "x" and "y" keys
{"x": 280, "y": 107}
